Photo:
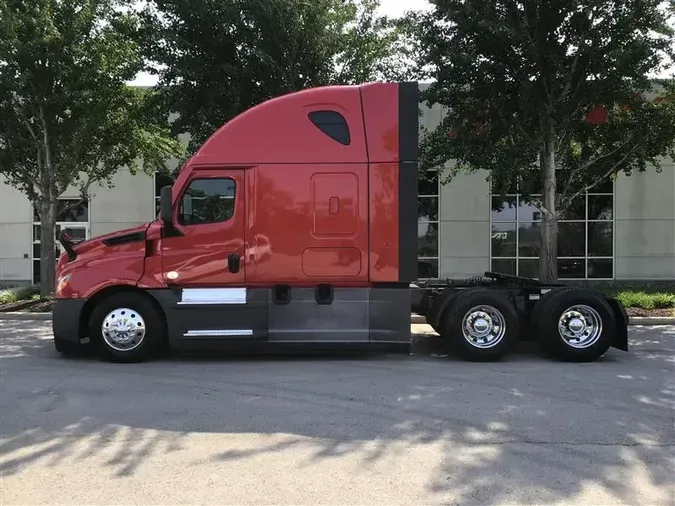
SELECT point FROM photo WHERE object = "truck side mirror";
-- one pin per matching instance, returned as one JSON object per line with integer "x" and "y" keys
{"x": 165, "y": 208}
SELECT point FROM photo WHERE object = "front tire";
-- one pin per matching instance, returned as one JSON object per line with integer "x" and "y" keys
{"x": 126, "y": 327}
{"x": 574, "y": 325}
{"x": 482, "y": 325}
{"x": 68, "y": 348}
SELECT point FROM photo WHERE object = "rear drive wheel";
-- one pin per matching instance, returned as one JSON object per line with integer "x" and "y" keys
{"x": 482, "y": 325}
{"x": 126, "y": 327}
{"x": 574, "y": 325}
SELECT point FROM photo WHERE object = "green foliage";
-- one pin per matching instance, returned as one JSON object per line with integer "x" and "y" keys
{"x": 641, "y": 295}
{"x": 510, "y": 71}
{"x": 20, "y": 294}
{"x": 223, "y": 57}
{"x": 64, "y": 104}
{"x": 519, "y": 79}
{"x": 67, "y": 118}
{"x": 644, "y": 300}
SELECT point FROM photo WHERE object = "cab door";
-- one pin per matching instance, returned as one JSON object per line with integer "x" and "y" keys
{"x": 209, "y": 216}
{"x": 204, "y": 262}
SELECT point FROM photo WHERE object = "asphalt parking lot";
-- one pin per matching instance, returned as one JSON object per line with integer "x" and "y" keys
{"x": 390, "y": 429}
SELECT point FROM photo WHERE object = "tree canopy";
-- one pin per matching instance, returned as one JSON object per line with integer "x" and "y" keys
{"x": 563, "y": 91}
{"x": 215, "y": 59}
{"x": 67, "y": 116}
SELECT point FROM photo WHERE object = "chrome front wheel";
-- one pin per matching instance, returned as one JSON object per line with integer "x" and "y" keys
{"x": 123, "y": 329}
{"x": 128, "y": 326}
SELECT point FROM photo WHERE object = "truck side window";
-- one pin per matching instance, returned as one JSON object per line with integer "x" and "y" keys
{"x": 333, "y": 124}
{"x": 207, "y": 201}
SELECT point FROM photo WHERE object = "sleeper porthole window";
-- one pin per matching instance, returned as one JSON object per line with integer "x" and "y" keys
{"x": 333, "y": 124}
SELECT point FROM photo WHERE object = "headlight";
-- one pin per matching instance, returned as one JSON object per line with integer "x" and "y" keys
{"x": 61, "y": 283}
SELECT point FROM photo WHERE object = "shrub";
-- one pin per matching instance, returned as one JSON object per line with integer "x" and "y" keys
{"x": 22, "y": 293}
{"x": 644, "y": 300}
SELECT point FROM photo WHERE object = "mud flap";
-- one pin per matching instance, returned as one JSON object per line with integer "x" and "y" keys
{"x": 621, "y": 317}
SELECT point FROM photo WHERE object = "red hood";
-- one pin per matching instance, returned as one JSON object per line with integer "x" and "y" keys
{"x": 85, "y": 246}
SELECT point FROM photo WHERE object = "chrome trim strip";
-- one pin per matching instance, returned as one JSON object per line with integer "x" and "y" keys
{"x": 218, "y": 333}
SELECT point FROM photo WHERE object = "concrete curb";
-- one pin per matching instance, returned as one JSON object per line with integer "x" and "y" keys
{"x": 17, "y": 315}
{"x": 417, "y": 319}
{"x": 414, "y": 318}
{"x": 651, "y": 320}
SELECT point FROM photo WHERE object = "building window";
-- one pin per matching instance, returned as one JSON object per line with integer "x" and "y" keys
{"x": 68, "y": 210}
{"x": 585, "y": 235}
{"x": 70, "y": 213}
{"x": 428, "y": 209}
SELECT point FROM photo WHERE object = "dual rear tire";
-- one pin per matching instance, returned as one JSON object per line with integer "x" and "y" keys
{"x": 480, "y": 324}
{"x": 571, "y": 324}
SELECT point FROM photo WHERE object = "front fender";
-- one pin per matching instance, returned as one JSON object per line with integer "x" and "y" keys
{"x": 88, "y": 276}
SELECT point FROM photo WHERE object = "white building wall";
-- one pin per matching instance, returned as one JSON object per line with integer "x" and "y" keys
{"x": 465, "y": 226}
{"x": 464, "y": 215}
{"x": 644, "y": 228}
{"x": 16, "y": 242}
{"x": 129, "y": 202}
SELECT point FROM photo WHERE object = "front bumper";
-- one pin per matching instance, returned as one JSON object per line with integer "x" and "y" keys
{"x": 66, "y": 317}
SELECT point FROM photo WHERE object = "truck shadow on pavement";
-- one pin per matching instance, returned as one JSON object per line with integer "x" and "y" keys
{"x": 431, "y": 428}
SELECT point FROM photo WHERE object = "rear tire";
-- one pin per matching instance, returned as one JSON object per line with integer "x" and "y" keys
{"x": 438, "y": 307}
{"x": 481, "y": 325}
{"x": 126, "y": 327}
{"x": 573, "y": 324}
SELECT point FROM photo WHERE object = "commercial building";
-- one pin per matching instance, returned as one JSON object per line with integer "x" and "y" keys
{"x": 623, "y": 230}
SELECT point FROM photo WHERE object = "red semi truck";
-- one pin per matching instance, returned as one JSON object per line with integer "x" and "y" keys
{"x": 296, "y": 223}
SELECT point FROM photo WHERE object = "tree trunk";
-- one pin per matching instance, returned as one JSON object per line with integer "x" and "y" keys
{"x": 548, "y": 258}
{"x": 47, "y": 244}
{"x": 47, "y": 215}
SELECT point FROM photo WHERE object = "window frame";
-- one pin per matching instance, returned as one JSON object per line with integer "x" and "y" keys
{"x": 437, "y": 222}
{"x": 587, "y": 258}
{"x": 178, "y": 214}
{"x": 60, "y": 225}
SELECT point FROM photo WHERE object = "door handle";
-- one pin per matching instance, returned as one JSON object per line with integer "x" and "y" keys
{"x": 233, "y": 263}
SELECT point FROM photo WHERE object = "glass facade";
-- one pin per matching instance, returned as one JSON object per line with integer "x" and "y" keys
{"x": 72, "y": 214}
{"x": 428, "y": 224}
{"x": 585, "y": 234}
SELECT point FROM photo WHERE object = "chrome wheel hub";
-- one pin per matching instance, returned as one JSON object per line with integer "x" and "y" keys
{"x": 123, "y": 329}
{"x": 580, "y": 326}
{"x": 483, "y": 326}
